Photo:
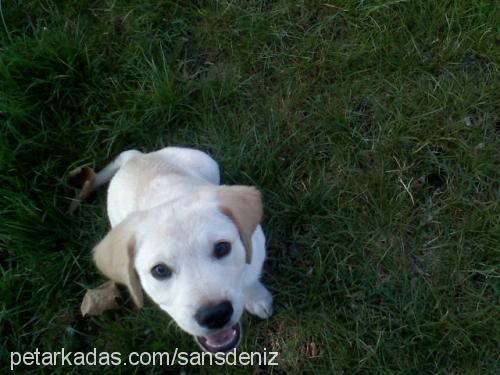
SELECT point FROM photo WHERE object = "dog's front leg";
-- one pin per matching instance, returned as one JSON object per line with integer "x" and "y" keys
{"x": 258, "y": 300}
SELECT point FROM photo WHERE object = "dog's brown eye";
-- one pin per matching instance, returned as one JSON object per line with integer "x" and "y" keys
{"x": 221, "y": 249}
{"x": 161, "y": 271}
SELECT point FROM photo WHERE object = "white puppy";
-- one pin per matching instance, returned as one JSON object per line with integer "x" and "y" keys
{"x": 195, "y": 247}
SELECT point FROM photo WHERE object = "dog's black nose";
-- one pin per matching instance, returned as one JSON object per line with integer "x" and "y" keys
{"x": 214, "y": 316}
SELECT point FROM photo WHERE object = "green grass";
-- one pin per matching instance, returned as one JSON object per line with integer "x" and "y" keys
{"x": 371, "y": 127}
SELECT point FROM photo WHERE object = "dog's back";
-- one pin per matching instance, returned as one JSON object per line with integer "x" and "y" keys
{"x": 142, "y": 181}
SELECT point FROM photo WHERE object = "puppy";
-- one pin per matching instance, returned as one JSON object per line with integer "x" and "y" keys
{"x": 193, "y": 246}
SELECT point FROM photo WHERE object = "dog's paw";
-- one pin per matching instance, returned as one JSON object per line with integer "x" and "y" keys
{"x": 259, "y": 301}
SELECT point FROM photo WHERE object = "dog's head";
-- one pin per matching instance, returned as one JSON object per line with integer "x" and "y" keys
{"x": 190, "y": 257}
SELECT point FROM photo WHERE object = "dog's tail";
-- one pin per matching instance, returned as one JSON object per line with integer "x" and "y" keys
{"x": 87, "y": 180}
{"x": 107, "y": 173}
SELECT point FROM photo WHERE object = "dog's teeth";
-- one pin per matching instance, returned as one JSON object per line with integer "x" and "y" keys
{"x": 221, "y": 339}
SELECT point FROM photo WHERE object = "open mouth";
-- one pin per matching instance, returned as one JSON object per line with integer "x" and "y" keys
{"x": 222, "y": 341}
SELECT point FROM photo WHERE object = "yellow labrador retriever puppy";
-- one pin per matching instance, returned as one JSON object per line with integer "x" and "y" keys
{"x": 194, "y": 246}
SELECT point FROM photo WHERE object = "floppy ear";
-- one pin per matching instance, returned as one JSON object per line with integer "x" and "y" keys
{"x": 243, "y": 205}
{"x": 114, "y": 256}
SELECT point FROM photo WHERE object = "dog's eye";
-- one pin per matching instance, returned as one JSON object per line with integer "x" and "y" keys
{"x": 161, "y": 271}
{"x": 221, "y": 249}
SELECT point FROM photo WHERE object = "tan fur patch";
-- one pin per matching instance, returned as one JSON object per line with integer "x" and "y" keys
{"x": 243, "y": 205}
{"x": 114, "y": 256}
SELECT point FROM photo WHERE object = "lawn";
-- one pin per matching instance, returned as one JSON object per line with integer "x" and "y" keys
{"x": 371, "y": 128}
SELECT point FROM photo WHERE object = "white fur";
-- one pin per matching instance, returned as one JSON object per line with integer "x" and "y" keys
{"x": 175, "y": 188}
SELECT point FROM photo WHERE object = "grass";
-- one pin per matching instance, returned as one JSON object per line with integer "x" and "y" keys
{"x": 371, "y": 127}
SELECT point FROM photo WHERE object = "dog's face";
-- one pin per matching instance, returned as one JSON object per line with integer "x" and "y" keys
{"x": 192, "y": 260}
{"x": 189, "y": 256}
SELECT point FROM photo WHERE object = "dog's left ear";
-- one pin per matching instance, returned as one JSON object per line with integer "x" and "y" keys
{"x": 243, "y": 205}
{"x": 114, "y": 256}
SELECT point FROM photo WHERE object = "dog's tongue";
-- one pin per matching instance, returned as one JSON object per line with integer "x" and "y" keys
{"x": 221, "y": 338}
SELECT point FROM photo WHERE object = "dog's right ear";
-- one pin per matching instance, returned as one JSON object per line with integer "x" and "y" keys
{"x": 114, "y": 256}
